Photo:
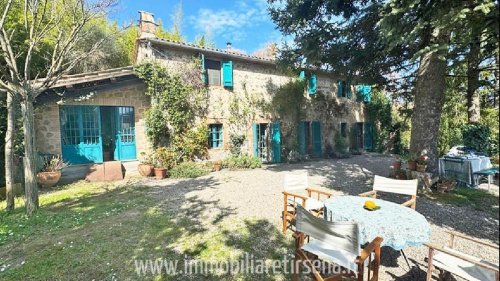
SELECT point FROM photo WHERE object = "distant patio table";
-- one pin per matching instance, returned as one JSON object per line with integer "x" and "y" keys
{"x": 399, "y": 226}
{"x": 463, "y": 168}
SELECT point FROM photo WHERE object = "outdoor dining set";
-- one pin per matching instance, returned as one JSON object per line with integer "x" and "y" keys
{"x": 349, "y": 231}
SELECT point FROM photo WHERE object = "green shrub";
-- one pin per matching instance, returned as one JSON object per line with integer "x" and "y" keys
{"x": 189, "y": 170}
{"x": 242, "y": 161}
{"x": 479, "y": 138}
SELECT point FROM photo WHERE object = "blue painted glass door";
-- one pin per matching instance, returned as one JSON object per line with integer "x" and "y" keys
{"x": 81, "y": 134}
{"x": 125, "y": 134}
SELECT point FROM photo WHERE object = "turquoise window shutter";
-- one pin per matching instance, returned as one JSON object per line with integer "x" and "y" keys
{"x": 316, "y": 138}
{"x": 312, "y": 85}
{"x": 302, "y": 75}
{"x": 348, "y": 90}
{"x": 276, "y": 133}
{"x": 227, "y": 74}
{"x": 367, "y": 93}
{"x": 301, "y": 134}
{"x": 339, "y": 88}
{"x": 203, "y": 69}
{"x": 255, "y": 140}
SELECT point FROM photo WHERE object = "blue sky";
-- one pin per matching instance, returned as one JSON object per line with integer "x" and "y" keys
{"x": 245, "y": 23}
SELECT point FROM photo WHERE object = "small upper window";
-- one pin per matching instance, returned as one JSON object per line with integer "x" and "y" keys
{"x": 213, "y": 72}
{"x": 343, "y": 129}
{"x": 215, "y": 136}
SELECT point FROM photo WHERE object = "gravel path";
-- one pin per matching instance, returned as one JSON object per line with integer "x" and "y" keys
{"x": 256, "y": 194}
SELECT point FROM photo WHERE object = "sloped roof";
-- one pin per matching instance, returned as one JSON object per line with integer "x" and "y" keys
{"x": 217, "y": 51}
{"x": 88, "y": 77}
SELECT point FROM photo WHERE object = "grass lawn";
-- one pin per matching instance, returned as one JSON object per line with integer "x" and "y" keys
{"x": 476, "y": 198}
{"x": 87, "y": 231}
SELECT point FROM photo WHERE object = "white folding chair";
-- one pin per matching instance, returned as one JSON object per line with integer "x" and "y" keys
{"x": 336, "y": 243}
{"x": 449, "y": 260}
{"x": 293, "y": 184}
{"x": 405, "y": 187}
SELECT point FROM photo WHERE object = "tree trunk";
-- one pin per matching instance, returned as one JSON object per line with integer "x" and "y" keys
{"x": 31, "y": 186}
{"x": 429, "y": 100}
{"x": 9, "y": 152}
{"x": 473, "y": 98}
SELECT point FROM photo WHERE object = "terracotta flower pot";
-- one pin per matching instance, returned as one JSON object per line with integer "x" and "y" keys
{"x": 217, "y": 166}
{"x": 160, "y": 173}
{"x": 48, "y": 179}
{"x": 145, "y": 170}
{"x": 397, "y": 165}
{"x": 421, "y": 168}
{"x": 412, "y": 165}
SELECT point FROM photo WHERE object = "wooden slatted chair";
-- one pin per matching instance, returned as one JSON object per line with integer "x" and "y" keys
{"x": 405, "y": 187}
{"x": 336, "y": 243}
{"x": 293, "y": 185}
{"x": 448, "y": 260}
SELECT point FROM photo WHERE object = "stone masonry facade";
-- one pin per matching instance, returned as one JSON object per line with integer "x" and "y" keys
{"x": 47, "y": 125}
{"x": 253, "y": 78}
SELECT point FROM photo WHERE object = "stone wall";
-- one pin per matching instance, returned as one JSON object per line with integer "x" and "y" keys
{"x": 47, "y": 126}
{"x": 252, "y": 81}
{"x": 258, "y": 81}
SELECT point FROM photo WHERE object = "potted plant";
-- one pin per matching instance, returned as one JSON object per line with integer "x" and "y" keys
{"x": 412, "y": 163}
{"x": 422, "y": 163}
{"x": 50, "y": 172}
{"x": 217, "y": 165}
{"x": 397, "y": 164}
{"x": 146, "y": 167}
{"x": 165, "y": 159}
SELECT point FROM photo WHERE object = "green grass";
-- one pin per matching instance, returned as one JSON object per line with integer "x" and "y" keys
{"x": 476, "y": 198}
{"x": 89, "y": 231}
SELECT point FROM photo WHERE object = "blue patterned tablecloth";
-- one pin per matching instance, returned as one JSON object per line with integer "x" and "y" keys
{"x": 399, "y": 226}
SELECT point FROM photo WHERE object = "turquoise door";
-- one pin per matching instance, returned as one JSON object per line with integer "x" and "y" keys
{"x": 81, "y": 134}
{"x": 125, "y": 133}
{"x": 276, "y": 141}
{"x": 316, "y": 138}
{"x": 368, "y": 136}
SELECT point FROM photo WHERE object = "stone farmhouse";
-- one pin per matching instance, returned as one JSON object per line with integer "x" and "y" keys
{"x": 100, "y": 117}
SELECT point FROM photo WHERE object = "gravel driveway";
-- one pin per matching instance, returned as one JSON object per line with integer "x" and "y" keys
{"x": 257, "y": 194}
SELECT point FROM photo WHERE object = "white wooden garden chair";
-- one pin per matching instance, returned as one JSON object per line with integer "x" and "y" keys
{"x": 449, "y": 260}
{"x": 405, "y": 187}
{"x": 295, "y": 184}
{"x": 336, "y": 243}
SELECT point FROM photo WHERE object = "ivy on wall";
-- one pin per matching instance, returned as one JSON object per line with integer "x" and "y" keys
{"x": 177, "y": 99}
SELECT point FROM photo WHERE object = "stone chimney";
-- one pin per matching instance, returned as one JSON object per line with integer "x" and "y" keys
{"x": 147, "y": 25}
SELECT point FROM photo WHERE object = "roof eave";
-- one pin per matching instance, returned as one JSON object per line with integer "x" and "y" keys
{"x": 214, "y": 52}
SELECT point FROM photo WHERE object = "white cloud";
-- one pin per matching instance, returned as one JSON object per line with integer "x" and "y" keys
{"x": 231, "y": 24}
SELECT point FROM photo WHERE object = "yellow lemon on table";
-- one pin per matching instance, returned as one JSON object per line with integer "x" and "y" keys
{"x": 370, "y": 204}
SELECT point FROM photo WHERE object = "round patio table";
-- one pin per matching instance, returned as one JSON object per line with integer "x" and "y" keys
{"x": 399, "y": 226}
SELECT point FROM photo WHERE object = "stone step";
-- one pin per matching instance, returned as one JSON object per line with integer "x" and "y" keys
{"x": 108, "y": 171}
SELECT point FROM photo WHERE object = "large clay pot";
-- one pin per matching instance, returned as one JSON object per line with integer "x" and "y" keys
{"x": 412, "y": 165}
{"x": 160, "y": 173}
{"x": 397, "y": 165}
{"x": 217, "y": 166}
{"x": 145, "y": 170}
{"x": 48, "y": 179}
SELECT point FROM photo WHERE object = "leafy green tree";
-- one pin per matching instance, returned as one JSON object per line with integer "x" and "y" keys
{"x": 378, "y": 40}
{"x": 26, "y": 29}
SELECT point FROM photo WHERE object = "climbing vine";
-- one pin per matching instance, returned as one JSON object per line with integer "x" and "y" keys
{"x": 177, "y": 99}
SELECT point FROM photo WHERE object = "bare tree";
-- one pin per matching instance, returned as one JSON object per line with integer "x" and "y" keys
{"x": 62, "y": 22}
